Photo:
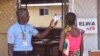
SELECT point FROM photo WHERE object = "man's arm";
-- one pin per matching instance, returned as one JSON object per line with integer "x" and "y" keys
{"x": 43, "y": 34}
{"x": 10, "y": 49}
{"x": 46, "y": 32}
{"x": 10, "y": 40}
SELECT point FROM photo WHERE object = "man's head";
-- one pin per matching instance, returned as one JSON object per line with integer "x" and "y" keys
{"x": 22, "y": 15}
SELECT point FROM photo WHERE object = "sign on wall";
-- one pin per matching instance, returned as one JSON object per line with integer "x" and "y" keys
{"x": 89, "y": 25}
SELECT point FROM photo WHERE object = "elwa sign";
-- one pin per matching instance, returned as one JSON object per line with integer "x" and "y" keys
{"x": 89, "y": 25}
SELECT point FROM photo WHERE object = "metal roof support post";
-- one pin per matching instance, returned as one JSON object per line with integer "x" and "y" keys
{"x": 18, "y": 3}
{"x": 64, "y": 11}
{"x": 98, "y": 21}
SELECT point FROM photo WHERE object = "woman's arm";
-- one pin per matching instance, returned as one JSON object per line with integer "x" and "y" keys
{"x": 81, "y": 47}
{"x": 61, "y": 42}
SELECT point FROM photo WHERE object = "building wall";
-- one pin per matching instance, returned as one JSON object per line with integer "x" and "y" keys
{"x": 7, "y": 17}
{"x": 43, "y": 21}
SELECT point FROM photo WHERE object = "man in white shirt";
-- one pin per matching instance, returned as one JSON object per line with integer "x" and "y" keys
{"x": 19, "y": 35}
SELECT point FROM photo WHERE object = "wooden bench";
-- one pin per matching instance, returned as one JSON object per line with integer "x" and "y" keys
{"x": 94, "y": 53}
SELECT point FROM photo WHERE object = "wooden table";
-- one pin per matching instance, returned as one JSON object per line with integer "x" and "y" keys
{"x": 46, "y": 46}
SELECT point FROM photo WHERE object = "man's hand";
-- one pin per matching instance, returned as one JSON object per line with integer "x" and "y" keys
{"x": 10, "y": 49}
{"x": 52, "y": 24}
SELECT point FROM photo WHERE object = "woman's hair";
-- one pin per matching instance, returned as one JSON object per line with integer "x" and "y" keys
{"x": 70, "y": 19}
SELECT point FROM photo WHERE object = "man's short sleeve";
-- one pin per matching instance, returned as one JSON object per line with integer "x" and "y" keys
{"x": 35, "y": 32}
{"x": 10, "y": 36}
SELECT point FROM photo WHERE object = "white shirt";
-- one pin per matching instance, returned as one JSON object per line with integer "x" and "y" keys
{"x": 14, "y": 36}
